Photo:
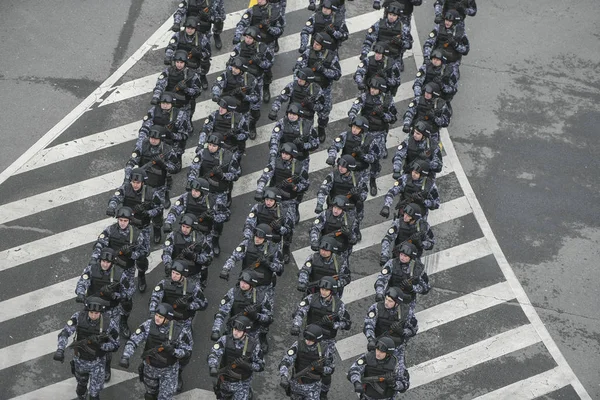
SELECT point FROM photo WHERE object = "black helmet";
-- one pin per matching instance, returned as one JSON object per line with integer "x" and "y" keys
{"x": 432, "y": 88}
{"x": 252, "y": 31}
{"x": 340, "y": 201}
{"x": 306, "y": 74}
{"x": 437, "y": 53}
{"x": 249, "y": 277}
{"x": 263, "y": 231}
{"x": 107, "y": 254}
{"x": 324, "y": 39}
{"x": 289, "y": 148}
{"x": 377, "y": 82}
{"x": 157, "y": 132}
{"x": 167, "y": 97}
{"x": 200, "y": 184}
{"x": 191, "y": 22}
{"x": 188, "y": 219}
{"x": 313, "y": 332}
{"x": 396, "y": 294}
{"x": 452, "y": 15}
{"x": 125, "y": 212}
{"x": 421, "y": 166}
{"x": 381, "y": 48}
{"x": 386, "y": 344}
{"x": 413, "y": 210}
{"x": 166, "y": 310}
{"x": 395, "y": 8}
{"x": 237, "y": 62}
{"x": 347, "y": 161}
{"x": 180, "y": 55}
{"x": 215, "y": 138}
{"x": 242, "y": 323}
{"x": 328, "y": 4}
{"x": 180, "y": 267}
{"x": 361, "y": 122}
{"x": 423, "y": 127}
{"x": 228, "y": 102}
{"x": 329, "y": 243}
{"x": 295, "y": 108}
{"x": 96, "y": 304}
{"x": 139, "y": 175}
{"x": 328, "y": 282}
{"x": 272, "y": 193}
{"x": 407, "y": 248}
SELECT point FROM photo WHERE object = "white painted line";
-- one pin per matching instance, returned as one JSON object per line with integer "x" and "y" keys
{"x": 373, "y": 234}
{"x": 66, "y": 388}
{"x": 78, "y": 111}
{"x": 196, "y": 394}
{"x": 530, "y": 388}
{"x": 287, "y": 43}
{"x": 475, "y": 354}
{"x": 438, "y": 315}
{"x": 29, "y": 349}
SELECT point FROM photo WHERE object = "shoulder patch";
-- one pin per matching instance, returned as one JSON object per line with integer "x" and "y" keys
{"x": 266, "y": 170}
{"x": 101, "y": 236}
{"x": 338, "y": 139}
{"x": 411, "y": 104}
{"x": 308, "y": 264}
{"x": 70, "y": 322}
{"x": 223, "y": 301}
{"x": 178, "y": 203}
{"x": 167, "y": 242}
{"x": 397, "y": 183}
{"x": 85, "y": 276}
{"x": 233, "y": 54}
{"x": 216, "y": 346}
{"x": 220, "y": 78}
{"x": 317, "y": 221}
{"x": 360, "y": 361}
{"x": 133, "y": 155}
{"x": 145, "y": 118}
{"x": 117, "y": 193}
{"x": 302, "y": 303}
{"x": 370, "y": 30}
{"x": 385, "y": 271}
{"x": 251, "y": 215}
{"x": 432, "y": 34}
{"x": 138, "y": 331}
{"x": 371, "y": 314}
{"x": 391, "y": 230}
{"x": 283, "y": 91}
{"x": 419, "y": 74}
{"x": 239, "y": 248}
{"x": 356, "y": 101}
{"x": 196, "y": 159}
{"x": 181, "y": 5}
{"x": 206, "y": 121}
{"x": 291, "y": 352}
{"x": 276, "y": 129}
{"x": 172, "y": 41}
{"x": 157, "y": 288}
{"x": 299, "y": 59}
{"x": 361, "y": 65}
{"x": 325, "y": 182}
{"x": 308, "y": 23}
{"x": 161, "y": 76}
{"x": 246, "y": 16}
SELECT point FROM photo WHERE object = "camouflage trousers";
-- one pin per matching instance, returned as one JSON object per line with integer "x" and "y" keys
{"x": 305, "y": 391}
{"x": 236, "y": 390}
{"x": 91, "y": 372}
{"x": 161, "y": 381}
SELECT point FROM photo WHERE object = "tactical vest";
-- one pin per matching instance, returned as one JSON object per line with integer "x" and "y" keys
{"x": 377, "y": 68}
{"x": 342, "y": 184}
{"x": 200, "y": 9}
{"x": 436, "y": 74}
{"x": 265, "y": 215}
{"x": 322, "y": 22}
{"x": 209, "y": 160}
{"x": 226, "y": 125}
{"x": 315, "y": 57}
{"x": 156, "y": 176}
{"x": 375, "y": 367}
{"x": 164, "y": 118}
{"x": 198, "y": 207}
{"x": 376, "y": 122}
{"x": 333, "y": 224}
{"x": 442, "y": 42}
{"x": 412, "y": 188}
{"x": 99, "y": 278}
{"x": 156, "y": 338}
{"x": 261, "y": 14}
{"x": 247, "y": 51}
{"x": 406, "y": 230}
{"x": 131, "y": 198}
{"x": 305, "y": 356}
{"x": 240, "y": 301}
{"x": 186, "y": 42}
{"x": 231, "y": 353}
{"x": 300, "y": 94}
{"x": 387, "y": 33}
{"x": 174, "y": 291}
{"x": 320, "y": 269}
{"x": 86, "y": 329}
{"x": 293, "y": 130}
{"x": 282, "y": 172}
{"x": 416, "y": 151}
{"x": 253, "y": 252}
{"x": 364, "y": 141}
{"x": 385, "y": 319}
{"x": 317, "y": 311}
{"x": 454, "y": 5}
{"x": 415, "y": 269}
{"x": 175, "y": 76}
{"x": 236, "y": 81}
{"x": 424, "y": 107}
{"x": 116, "y": 240}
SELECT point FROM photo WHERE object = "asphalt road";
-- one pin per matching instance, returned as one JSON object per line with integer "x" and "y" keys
{"x": 523, "y": 130}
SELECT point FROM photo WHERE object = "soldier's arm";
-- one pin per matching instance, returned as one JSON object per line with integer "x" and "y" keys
{"x": 224, "y": 310}
{"x": 242, "y": 25}
{"x": 335, "y": 72}
{"x": 276, "y": 138}
{"x": 161, "y": 84}
{"x": 167, "y": 255}
{"x": 288, "y": 361}
{"x": 430, "y": 42}
{"x": 395, "y": 191}
{"x": 357, "y": 370}
{"x": 258, "y": 361}
{"x": 344, "y": 322}
{"x": 140, "y": 335}
{"x": 433, "y": 198}
{"x": 284, "y": 97}
{"x": 370, "y": 38}
{"x": 419, "y": 81}
{"x": 370, "y": 322}
{"x": 172, "y": 46}
{"x": 84, "y": 282}
{"x": 176, "y": 209}
{"x": 264, "y": 178}
{"x": 411, "y": 326}
{"x": 183, "y": 347}
{"x": 400, "y": 156}
{"x": 199, "y": 300}
{"x": 305, "y": 271}
{"x": 238, "y": 255}
{"x": 66, "y": 332}
{"x": 316, "y": 228}
{"x": 307, "y": 30}
{"x": 113, "y": 337}
{"x": 216, "y": 353}
{"x": 383, "y": 278}
{"x": 301, "y": 311}
{"x": 156, "y": 297}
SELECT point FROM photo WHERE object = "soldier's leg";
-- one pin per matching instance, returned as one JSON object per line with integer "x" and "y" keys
{"x": 323, "y": 115}
{"x": 97, "y": 373}
{"x": 267, "y": 80}
{"x": 182, "y": 364}
{"x": 255, "y": 112}
{"x": 151, "y": 381}
{"x": 326, "y": 379}
{"x": 82, "y": 377}
{"x": 217, "y": 28}
{"x": 157, "y": 222}
{"x": 203, "y": 71}
{"x": 126, "y": 307}
{"x": 169, "y": 184}
{"x": 107, "y": 370}
{"x": 218, "y": 229}
{"x": 167, "y": 379}
{"x": 142, "y": 266}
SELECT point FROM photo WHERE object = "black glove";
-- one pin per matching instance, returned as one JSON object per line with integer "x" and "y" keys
{"x": 452, "y": 41}
{"x": 301, "y": 49}
{"x": 107, "y": 291}
{"x": 111, "y": 212}
{"x": 168, "y": 268}
{"x": 214, "y": 336}
{"x": 319, "y": 209}
{"x": 377, "y": 5}
{"x": 251, "y": 313}
{"x": 167, "y": 227}
{"x": 215, "y": 98}
{"x": 156, "y": 160}
{"x": 235, "y": 41}
{"x": 301, "y": 287}
{"x": 176, "y": 28}
{"x": 224, "y": 274}
{"x": 125, "y": 250}
{"x": 363, "y": 56}
{"x": 397, "y": 327}
{"x": 438, "y": 19}
{"x": 80, "y": 298}
{"x": 330, "y": 160}
{"x": 295, "y": 331}
{"x": 59, "y": 355}
{"x": 326, "y": 321}
{"x": 124, "y": 362}
{"x": 355, "y": 191}
{"x": 284, "y": 382}
{"x": 299, "y": 143}
{"x": 362, "y": 86}
{"x": 418, "y": 197}
{"x": 406, "y": 286}
{"x": 346, "y": 231}
{"x": 312, "y": 7}
{"x": 383, "y": 260}
{"x": 396, "y": 175}
{"x": 273, "y": 115}
{"x": 358, "y": 151}
{"x": 168, "y": 348}
{"x": 385, "y": 212}
{"x": 358, "y": 388}
{"x": 166, "y": 61}
{"x": 371, "y": 345}
{"x": 390, "y": 377}
{"x": 258, "y": 195}
{"x": 317, "y": 367}
{"x": 314, "y": 247}
{"x": 417, "y": 242}
{"x": 379, "y": 297}
{"x": 406, "y": 128}
{"x": 189, "y": 254}
{"x": 213, "y": 372}
{"x": 218, "y": 172}
{"x": 275, "y": 225}
{"x": 243, "y": 364}
{"x": 154, "y": 101}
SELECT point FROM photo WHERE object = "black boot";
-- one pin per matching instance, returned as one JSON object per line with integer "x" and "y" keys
{"x": 254, "y": 117}
{"x": 286, "y": 253}
{"x": 276, "y": 47}
{"x": 266, "y": 93}
{"x": 218, "y": 42}
{"x": 321, "y": 128}
{"x": 167, "y": 203}
{"x": 264, "y": 344}
{"x": 107, "y": 373}
{"x": 204, "y": 82}
{"x": 141, "y": 281}
{"x": 81, "y": 390}
{"x": 157, "y": 234}
{"x": 179, "y": 382}
{"x": 216, "y": 247}
{"x": 373, "y": 185}
{"x": 123, "y": 327}
{"x": 94, "y": 397}
{"x": 323, "y": 396}
{"x": 358, "y": 235}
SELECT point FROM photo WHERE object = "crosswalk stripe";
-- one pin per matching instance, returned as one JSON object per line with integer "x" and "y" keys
{"x": 372, "y": 235}
{"x": 66, "y": 388}
{"x": 437, "y": 315}
{"x": 470, "y": 356}
{"x": 287, "y": 43}
{"x": 196, "y": 394}
{"x": 531, "y": 388}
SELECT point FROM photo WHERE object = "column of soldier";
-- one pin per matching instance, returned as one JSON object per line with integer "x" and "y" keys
{"x": 241, "y": 325}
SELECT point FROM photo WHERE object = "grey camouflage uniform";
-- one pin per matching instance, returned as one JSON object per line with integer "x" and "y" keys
{"x": 200, "y": 259}
{"x": 424, "y": 241}
{"x": 198, "y": 300}
{"x": 409, "y": 269}
{"x": 312, "y": 90}
{"x": 178, "y": 131}
{"x": 372, "y": 37}
{"x": 239, "y": 131}
{"x": 431, "y": 200}
{"x": 338, "y": 265}
{"x": 401, "y": 383}
{"x": 190, "y": 91}
{"x": 335, "y": 27}
{"x": 464, "y": 8}
{"x": 409, "y": 328}
{"x": 429, "y": 150}
{"x": 306, "y": 141}
{"x": 439, "y": 114}
{"x": 285, "y": 213}
{"x": 264, "y": 315}
{"x": 216, "y": 14}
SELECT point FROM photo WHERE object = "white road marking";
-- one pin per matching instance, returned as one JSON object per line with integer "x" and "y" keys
{"x": 531, "y": 388}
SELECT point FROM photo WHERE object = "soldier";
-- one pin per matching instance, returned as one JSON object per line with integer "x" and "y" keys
{"x": 464, "y": 8}
{"x": 190, "y": 247}
{"x": 107, "y": 282}
{"x": 380, "y": 65}
{"x": 160, "y": 162}
{"x": 167, "y": 342}
{"x": 95, "y": 337}
{"x": 325, "y": 262}
{"x": 450, "y": 38}
{"x": 294, "y": 129}
{"x": 218, "y": 166}
{"x": 338, "y": 5}
{"x": 304, "y": 365}
{"x": 394, "y": 317}
{"x": 322, "y": 58}
{"x": 418, "y": 146}
{"x": 304, "y": 91}
{"x": 379, "y": 109}
{"x": 430, "y": 108}
{"x": 439, "y": 72}
{"x": 410, "y": 228}
{"x": 233, "y": 361}
{"x": 208, "y": 12}
{"x": 415, "y": 187}
{"x": 335, "y": 222}
{"x": 328, "y": 21}
{"x": 326, "y": 310}
{"x": 270, "y": 212}
{"x": 405, "y": 271}
{"x": 175, "y": 120}
{"x": 197, "y": 46}
{"x": 390, "y": 30}
{"x": 132, "y": 247}
{"x": 237, "y": 82}
{"x": 407, "y": 8}
{"x": 245, "y": 300}
{"x": 208, "y": 208}
{"x": 230, "y": 124}
{"x": 379, "y": 374}
{"x": 179, "y": 79}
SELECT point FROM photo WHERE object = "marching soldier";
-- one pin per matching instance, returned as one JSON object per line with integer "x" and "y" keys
{"x": 304, "y": 91}
{"x": 381, "y": 65}
{"x": 328, "y": 21}
{"x": 325, "y": 262}
{"x": 407, "y": 8}
{"x": 337, "y": 223}
{"x": 464, "y": 8}
{"x": 269, "y": 212}
{"x": 430, "y": 108}
{"x": 405, "y": 271}
{"x": 438, "y": 71}
{"x": 449, "y": 37}
{"x": 419, "y": 145}
{"x": 391, "y": 31}
{"x": 209, "y": 13}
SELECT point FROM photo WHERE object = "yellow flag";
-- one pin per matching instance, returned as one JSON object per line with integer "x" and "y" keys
{"x": 252, "y": 3}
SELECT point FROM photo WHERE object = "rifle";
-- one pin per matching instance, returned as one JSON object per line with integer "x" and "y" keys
{"x": 155, "y": 353}
{"x": 316, "y": 283}
{"x": 110, "y": 288}
{"x": 254, "y": 307}
{"x": 294, "y": 179}
{"x": 128, "y": 247}
{"x": 84, "y": 344}
{"x": 375, "y": 382}
{"x": 228, "y": 370}
{"x": 182, "y": 300}
{"x": 308, "y": 371}
{"x": 211, "y": 173}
